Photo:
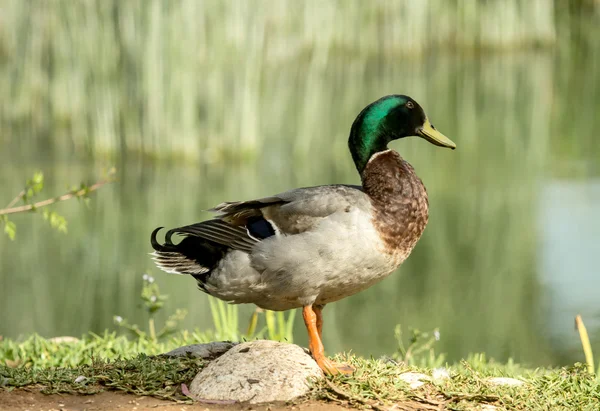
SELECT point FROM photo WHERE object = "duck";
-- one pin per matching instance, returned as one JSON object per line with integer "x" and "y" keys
{"x": 312, "y": 246}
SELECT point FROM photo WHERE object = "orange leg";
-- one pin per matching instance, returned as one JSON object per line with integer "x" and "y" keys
{"x": 318, "y": 309}
{"x": 312, "y": 317}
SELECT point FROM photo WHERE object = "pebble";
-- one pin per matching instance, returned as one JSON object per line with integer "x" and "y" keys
{"x": 511, "y": 382}
{"x": 414, "y": 379}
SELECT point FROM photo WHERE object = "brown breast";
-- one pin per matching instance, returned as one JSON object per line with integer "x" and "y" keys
{"x": 399, "y": 199}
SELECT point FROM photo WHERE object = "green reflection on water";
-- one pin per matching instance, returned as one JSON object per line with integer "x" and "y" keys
{"x": 518, "y": 119}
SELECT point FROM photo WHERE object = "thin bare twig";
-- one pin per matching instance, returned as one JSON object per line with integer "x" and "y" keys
{"x": 44, "y": 203}
{"x": 17, "y": 198}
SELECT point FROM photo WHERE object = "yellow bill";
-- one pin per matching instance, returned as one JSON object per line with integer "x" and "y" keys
{"x": 429, "y": 133}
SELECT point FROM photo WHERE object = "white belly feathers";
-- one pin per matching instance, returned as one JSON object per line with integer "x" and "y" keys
{"x": 290, "y": 271}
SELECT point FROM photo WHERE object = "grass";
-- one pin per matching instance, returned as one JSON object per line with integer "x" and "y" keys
{"x": 96, "y": 363}
{"x": 37, "y": 352}
{"x": 114, "y": 362}
{"x": 141, "y": 375}
{"x": 470, "y": 384}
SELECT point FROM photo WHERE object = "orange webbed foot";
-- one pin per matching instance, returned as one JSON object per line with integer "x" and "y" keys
{"x": 330, "y": 367}
{"x": 313, "y": 320}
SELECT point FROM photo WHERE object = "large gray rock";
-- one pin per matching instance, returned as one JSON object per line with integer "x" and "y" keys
{"x": 256, "y": 372}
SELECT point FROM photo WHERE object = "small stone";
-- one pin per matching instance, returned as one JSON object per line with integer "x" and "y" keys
{"x": 64, "y": 339}
{"x": 414, "y": 379}
{"x": 80, "y": 379}
{"x": 440, "y": 374}
{"x": 257, "y": 372}
{"x": 205, "y": 351}
{"x": 388, "y": 360}
{"x": 511, "y": 382}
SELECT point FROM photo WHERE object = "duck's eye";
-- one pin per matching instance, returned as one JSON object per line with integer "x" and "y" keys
{"x": 410, "y": 104}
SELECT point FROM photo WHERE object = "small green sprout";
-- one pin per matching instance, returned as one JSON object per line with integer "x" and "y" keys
{"x": 152, "y": 301}
{"x": 420, "y": 351}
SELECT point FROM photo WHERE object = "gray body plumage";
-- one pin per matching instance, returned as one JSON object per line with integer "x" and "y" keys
{"x": 325, "y": 248}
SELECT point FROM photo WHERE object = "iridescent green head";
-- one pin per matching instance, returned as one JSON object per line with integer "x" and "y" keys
{"x": 390, "y": 118}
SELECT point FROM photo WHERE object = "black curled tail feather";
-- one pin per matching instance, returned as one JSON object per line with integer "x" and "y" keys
{"x": 155, "y": 244}
{"x": 195, "y": 256}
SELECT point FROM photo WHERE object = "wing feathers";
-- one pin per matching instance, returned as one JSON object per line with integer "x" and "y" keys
{"x": 220, "y": 232}
{"x": 241, "y": 225}
{"x": 238, "y": 212}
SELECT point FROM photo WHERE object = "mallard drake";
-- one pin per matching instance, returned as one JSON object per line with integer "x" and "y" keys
{"x": 309, "y": 247}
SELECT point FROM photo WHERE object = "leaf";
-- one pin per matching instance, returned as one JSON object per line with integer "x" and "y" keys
{"x": 33, "y": 185}
{"x": 56, "y": 220}
{"x": 38, "y": 181}
{"x": 10, "y": 229}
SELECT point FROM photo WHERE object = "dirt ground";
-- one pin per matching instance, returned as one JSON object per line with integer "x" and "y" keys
{"x": 33, "y": 400}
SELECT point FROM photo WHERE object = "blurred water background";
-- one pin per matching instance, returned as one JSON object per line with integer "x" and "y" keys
{"x": 199, "y": 102}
